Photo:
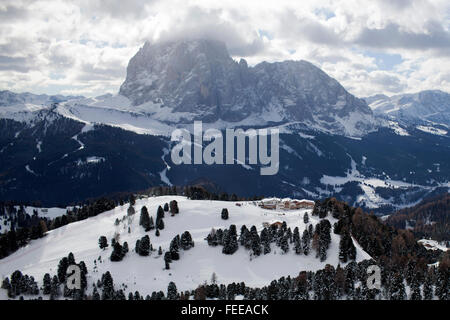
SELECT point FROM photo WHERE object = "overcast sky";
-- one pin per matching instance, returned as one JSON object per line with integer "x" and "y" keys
{"x": 83, "y": 47}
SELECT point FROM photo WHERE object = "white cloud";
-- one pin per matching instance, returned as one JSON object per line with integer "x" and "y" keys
{"x": 83, "y": 46}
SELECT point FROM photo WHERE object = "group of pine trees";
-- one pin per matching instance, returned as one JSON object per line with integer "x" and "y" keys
{"x": 281, "y": 235}
{"x": 19, "y": 285}
{"x": 143, "y": 246}
{"x": 184, "y": 242}
{"x": 411, "y": 283}
{"x": 25, "y": 228}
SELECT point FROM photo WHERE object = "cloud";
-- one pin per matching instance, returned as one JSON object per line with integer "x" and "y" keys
{"x": 392, "y": 36}
{"x": 82, "y": 46}
{"x": 198, "y": 23}
{"x": 19, "y": 64}
{"x": 11, "y": 13}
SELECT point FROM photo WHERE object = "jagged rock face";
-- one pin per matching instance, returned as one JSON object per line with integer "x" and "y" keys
{"x": 200, "y": 79}
{"x": 429, "y": 105}
{"x": 194, "y": 77}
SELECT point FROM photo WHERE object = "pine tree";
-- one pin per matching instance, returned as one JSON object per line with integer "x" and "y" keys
{"x": 230, "y": 243}
{"x": 167, "y": 259}
{"x": 173, "y": 249}
{"x": 95, "y": 294}
{"x": 397, "y": 288}
{"x": 159, "y": 214}
{"x": 107, "y": 284}
{"x": 160, "y": 224}
{"x": 166, "y": 207}
{"x": 131, "y": 210}
{"x": 103, "y": 242}
{"x": 347, "y": 250}
{"x": 297, "y": 241}
{"x": 415, "y": 289}
{"x": 71, "y": 258}
{"x": 186, "y": 241}
{"x": 144, "y": 246}
{"x": 256, "y": 243}
{"x": 125, "y": 248}
{"x": 172, "y": 293}
{"x": 62, "y": 269}
{"x": 54, "y": 291}
{"x": 306, "y": 242}
{"x": 284, "y": 244}
{"x": 117, "y": 254}
{"x": 306, "y": 218}
{"x": 224, "y": 214}
{"x": 265, "y": 241}
{"x": 174, "y": 207}
{"x": 144, "y": 220}
{"x": 243, "y": 235}
{"x": 47, "y": 284}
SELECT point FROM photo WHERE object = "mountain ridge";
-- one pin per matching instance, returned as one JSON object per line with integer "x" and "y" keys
{"x": 199, "y": 80}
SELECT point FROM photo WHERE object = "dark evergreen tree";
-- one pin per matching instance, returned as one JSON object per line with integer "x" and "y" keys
{"x": 107, "y": 284}
{"x": 174, "y": 207}
{"x": 144, "y": 220}
{"x": 172, "y": 293}
{"x": 224, "y": 214}
{"x": 159, "y": 214}
{"x": 284, "y": 244}
{"x": 265, "y": 241}
{"x": 397, "y": 288}
{"x": 297, "y": 241}
{"x": 95, "y": 294}
{"x": 160, "y": 224}
{"x": 62, "y": 269}
{"x": 117, "y": 253}
{"x": 306, "y": 240}
{"x": 46, "y": 284}
{"x": 167, "y": 259}
{"x": 415, "y": 289}
{"x": 230, "y": 243}
{"x": 174, "y": 249}
{"x": 103, "y": 242}
{"x": 186, "y": 241}
{"x": 55, "y": 290}
{"x": 144, "y": 246}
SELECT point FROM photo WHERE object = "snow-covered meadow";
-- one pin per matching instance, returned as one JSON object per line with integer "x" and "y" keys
{"x": 196, "y": 266}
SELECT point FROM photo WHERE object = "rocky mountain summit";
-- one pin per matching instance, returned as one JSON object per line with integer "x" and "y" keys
{"x": 199, "y": 80}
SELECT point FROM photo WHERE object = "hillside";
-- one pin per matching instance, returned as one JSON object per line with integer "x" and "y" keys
{"x": 428, "y": 219}
{"x": 195, "y": 266}
{"x": 321, "y": 255}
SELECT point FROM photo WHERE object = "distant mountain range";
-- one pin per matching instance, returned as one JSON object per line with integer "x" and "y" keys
{"x": 387, "y": 156}
{"x": 425, "y": 107}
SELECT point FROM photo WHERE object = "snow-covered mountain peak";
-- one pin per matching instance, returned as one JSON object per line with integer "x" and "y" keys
{"x": 432, "y": 106}
{"x": 198, "y": 80}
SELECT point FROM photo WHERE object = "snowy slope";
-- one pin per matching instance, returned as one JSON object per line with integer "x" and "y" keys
{"x": 431, "y": 106}
{"x": 195, "y": 266}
